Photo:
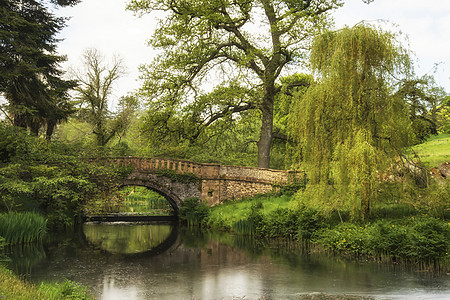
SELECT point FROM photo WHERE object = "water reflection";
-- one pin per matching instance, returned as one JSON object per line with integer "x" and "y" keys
{"x": 129, "y": 238}
{"x": 202, "y": 265}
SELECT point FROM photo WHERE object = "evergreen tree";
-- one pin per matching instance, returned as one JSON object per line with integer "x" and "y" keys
{"x": 30, "y": 77}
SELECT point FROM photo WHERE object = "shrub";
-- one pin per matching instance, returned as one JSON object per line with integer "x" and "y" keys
{"x": 193, "y": 211}
{"x": 386, "y": 238}
{"x": 282, "y": 222}
{"x": 310, "y": 222}
{"x": 430, "y": 239}
{"x": 346, "y": 238}
{"x": 424, "y": 239}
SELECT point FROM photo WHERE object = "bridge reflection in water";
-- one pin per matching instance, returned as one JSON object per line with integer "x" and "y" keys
{"x": 132, "y": 239}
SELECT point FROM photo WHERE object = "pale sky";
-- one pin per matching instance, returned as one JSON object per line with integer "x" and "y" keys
{"x": 108, "y": 27}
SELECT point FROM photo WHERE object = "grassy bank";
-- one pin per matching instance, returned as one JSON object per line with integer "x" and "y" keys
{"x": 13, "y": 287}
{"x": 395, "y": 233}
{"x": 435, "y": 150}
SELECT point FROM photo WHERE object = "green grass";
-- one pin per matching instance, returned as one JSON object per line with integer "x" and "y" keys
{"x": 20, "y": 228}
{"x": 229, "y": 213}
{"x": 435, "y": 151}
{"x": 13, "y": 287}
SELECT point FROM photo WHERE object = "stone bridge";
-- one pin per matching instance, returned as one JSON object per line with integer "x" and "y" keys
{"x": 178, "y": 180}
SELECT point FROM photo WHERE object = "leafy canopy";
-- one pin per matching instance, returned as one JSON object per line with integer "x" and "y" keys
{"x": 214, "y": 47}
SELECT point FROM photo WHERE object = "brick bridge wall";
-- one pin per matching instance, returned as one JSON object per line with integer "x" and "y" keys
{"x": 214, "y": 183}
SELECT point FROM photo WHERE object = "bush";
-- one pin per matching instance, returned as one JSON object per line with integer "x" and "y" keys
{"x": 310, "y": 222}
{"x": 282, "y": 222}
{"x": 430, "y": 239}
{"x": 193, "y": 211}
{"x": 346, "y": 238}
{"x": 424, "y": 239}
{"x": 386, "y": 238}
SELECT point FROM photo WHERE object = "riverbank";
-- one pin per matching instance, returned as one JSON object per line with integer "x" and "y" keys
{"x": 13, "y": 287}
{"x": 394, "y": 233}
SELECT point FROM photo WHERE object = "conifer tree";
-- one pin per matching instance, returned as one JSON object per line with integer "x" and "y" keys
{"x": 30, "y": 76}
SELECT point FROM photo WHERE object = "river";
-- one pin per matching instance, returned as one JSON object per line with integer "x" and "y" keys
{"x": 164, "y": 261}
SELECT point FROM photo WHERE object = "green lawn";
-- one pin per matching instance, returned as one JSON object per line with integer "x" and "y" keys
{"x": 228, "y": 213}
{"x": 435, "y": 151}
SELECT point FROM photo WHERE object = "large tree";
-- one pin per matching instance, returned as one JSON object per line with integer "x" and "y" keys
{"x": 351, "y": 126}
{"x": 232, "y": 45}
{"x": 30, "y": 77}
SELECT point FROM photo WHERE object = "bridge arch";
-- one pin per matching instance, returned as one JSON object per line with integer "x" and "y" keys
{"x": 172, "y": 198}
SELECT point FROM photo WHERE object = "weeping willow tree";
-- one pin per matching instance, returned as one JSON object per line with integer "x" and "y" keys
{"x": 350, "y": 126}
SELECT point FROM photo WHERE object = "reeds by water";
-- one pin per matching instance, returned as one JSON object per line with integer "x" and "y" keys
{"x": 22, "y": 228}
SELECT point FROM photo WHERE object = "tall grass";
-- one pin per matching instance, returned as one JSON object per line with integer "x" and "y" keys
{"x": 22, "y": 228}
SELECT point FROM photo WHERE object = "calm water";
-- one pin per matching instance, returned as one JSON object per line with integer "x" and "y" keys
{"x": 124, "y": 261}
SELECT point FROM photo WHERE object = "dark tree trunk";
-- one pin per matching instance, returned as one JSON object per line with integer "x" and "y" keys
{"x": 20, "y": 120}
{"x": 265, "y": 139}
{"x": 50, "y": 128}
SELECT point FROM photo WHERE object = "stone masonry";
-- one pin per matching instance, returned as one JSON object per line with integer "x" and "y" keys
{"x": 212, "y": 183}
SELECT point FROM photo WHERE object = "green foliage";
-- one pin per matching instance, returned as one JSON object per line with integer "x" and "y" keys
{"x": 210, "y": 40}
{"x": 423, "y": 239}
{"x": 22, "y": 228}
{"x": 142, "y": 199}
{"x": 14, "y": 142}
{"x": 282, "y": 222}
{"x": 309, "y": 222}
{"x": 65, "y": 290}
{"x": 16, "y": 288}
{"x": 50, "y": 177}
{"x": 349, "y": 127}
{"x": 398, "y": 232}
{"x": 444, "y": 116}
{"x": 193, "y": 212}
{"x": 30, "y": 74}
{"x": 423, "y": 98}
{"x": 174, "y": 176}
{"x": 345, "y": 238}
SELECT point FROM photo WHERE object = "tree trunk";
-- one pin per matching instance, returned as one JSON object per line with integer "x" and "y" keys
{"x": 50, "y": 128}
{"x": 265, "y": 139}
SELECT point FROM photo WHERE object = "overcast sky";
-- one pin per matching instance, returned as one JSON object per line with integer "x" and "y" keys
{"x": 107, "y": 26}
